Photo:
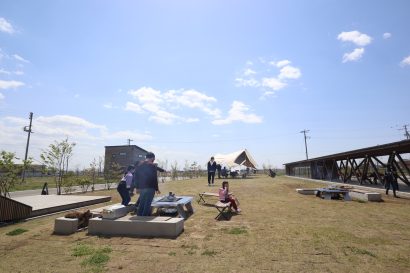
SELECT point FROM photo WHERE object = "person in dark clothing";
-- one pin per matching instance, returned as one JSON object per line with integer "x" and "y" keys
{"x": 136, "y": 184}
{"x": 146, "y": 176}
{"x": 390, "y": 180}
{"x": 211, "y": 171}
{"x": 124, "y": 186}
{"x": 218, "y": 169}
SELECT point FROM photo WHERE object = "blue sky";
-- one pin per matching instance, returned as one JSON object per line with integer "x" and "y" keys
{"x": 189, "y": 79}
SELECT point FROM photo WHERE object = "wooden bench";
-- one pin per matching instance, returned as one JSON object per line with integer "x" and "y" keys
{"x": 207, "y": 194}
{"x": 223, "y": 208}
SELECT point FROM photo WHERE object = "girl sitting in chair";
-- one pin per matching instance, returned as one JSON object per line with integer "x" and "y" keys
{"x": 225, "y": 196}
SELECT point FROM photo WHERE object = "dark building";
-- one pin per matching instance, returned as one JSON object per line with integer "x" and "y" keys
{"x": 124, "y": 155}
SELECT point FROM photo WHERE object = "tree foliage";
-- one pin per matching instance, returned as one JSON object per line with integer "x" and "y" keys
{"x": 112, "y": 174}
{"x": 56, "y": 158}
{"x": 9, "y": 171}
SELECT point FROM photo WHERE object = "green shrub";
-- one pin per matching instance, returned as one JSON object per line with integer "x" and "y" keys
{"x": 17, "y": 231}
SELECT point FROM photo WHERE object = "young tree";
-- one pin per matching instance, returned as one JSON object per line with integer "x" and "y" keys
{"x": 112, "y": 174}
{"x": 9, "y": 171}
{"x": 174, "y": 171}
{"x": 93, "y": 173}
{"x": 56, "y": 158}
{"x": 100, "y": 165}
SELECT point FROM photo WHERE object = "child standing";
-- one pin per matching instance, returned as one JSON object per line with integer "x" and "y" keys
{"x": 125, "y": 185}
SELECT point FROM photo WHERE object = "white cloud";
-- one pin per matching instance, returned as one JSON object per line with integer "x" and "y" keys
{"x": 273, "y": 83}
{"x": 5, "y": 72}
{"x": 147, "y": 95}
{"x": 386, "y": 35}
{"x": 405, "y": 61}
{"x": 19, "y": 58}
{"x": 247, "y": 82}
{"x": 249, "y": 72}
{"x": 76, "y": 96}
{"x": 238, "y": 112}
{"x": 194, "y": 99}
{"x": 282, "y": 63}
{"x": 289, "y": 72}
{"x": 129, "y": 106}
{"x": 19, "y": 72}
{"x": 162, "y": 105}
{"x": 355, "y": 55}
{"x": 6, "y": 26}
{"x": 1, "y": 96}
{"x": 10, "y": 84}
{"x": 268, "y": 78}
{"x": 355, "y": 37}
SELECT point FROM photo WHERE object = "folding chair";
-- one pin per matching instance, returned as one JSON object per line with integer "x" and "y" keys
{"x": 223, "y": 208}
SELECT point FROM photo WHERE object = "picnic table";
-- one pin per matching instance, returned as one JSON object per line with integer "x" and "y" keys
{"x": 328, "y": 193}
{"x": 178, "y": 203}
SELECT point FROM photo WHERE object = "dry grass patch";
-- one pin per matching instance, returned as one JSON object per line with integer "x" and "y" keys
{"x": 278, "y": 230}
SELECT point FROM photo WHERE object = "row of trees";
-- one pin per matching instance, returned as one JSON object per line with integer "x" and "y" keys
{"x": 56, "y": 159}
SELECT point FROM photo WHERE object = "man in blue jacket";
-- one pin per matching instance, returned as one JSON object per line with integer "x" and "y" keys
{"x": 211, "y": 171}
{"x": 146, "y": 175}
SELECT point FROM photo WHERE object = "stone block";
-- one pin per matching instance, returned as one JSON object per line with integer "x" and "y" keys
{"x": 65, "y": 226}
{"x": 137, "y": 226}
{"x": 116, "y": 211}
{"x": 307, "y": 191}
{"x": 366, "y": 196}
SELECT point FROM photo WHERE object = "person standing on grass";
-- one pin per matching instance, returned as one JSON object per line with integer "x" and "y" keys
{"x": 147, "y": 177}
{"x": 125, "y": 185}
{"x": 211, "y": 171}
{"x": 225, "y": 196}
{"x": 390, "y": 180}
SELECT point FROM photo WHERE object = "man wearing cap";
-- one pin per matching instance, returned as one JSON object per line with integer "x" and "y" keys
{"x": 146, "y": 175}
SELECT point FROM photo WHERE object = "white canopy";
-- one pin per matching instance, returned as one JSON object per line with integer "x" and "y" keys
{"x": 242, "y": 157}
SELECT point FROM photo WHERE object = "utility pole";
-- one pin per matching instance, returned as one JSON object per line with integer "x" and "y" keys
{"x": 129, "y": 141}
{"x": 28, "y": 143}
{"x": 406, "y": 131}
{"x": 304, "y": 134}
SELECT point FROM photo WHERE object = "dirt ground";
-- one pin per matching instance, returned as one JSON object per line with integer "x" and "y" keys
{"x": 278, "y": 230}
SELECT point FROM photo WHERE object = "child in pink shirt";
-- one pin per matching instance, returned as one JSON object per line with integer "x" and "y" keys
{"x": 225, "y": 196}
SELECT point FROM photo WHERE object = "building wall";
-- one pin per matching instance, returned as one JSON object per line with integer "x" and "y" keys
{"x": 123, "y": 155}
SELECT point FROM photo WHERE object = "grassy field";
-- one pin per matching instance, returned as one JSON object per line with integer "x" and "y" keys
{"x": 279, "y": 230}
{"x": 34, "y": 183}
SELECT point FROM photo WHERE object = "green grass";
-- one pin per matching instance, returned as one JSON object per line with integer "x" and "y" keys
{"x": 82, "y": 250}
{"x": 96, "y": 258}
{"x": 237, "y": 230}
{"x": 210, "y": 253}
{"x": 34, "y": 183}
{"x": 17, "y": 231}
{"x": 359, "y": 251}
